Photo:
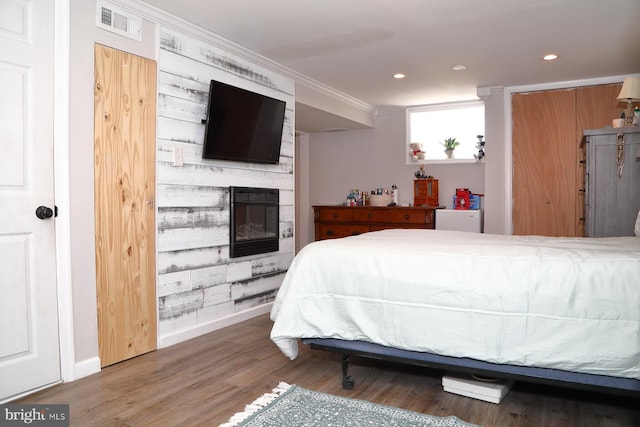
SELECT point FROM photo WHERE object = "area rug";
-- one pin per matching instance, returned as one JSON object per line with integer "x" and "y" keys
{"x": 291, "y": 405}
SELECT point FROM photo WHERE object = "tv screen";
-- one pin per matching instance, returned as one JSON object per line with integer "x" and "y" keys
{"x": 242, "y": 125}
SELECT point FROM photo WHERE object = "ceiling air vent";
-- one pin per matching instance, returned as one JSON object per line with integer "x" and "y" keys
{"x": 118, "y": 21}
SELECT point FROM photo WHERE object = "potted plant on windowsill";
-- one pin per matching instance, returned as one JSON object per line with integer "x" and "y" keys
{"x": 450, "y": 144}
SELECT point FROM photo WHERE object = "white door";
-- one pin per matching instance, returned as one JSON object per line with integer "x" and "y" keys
{"x": 29, "y": 351}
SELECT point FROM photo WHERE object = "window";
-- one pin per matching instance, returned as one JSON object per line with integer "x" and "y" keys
{"x": 430, "y": 125}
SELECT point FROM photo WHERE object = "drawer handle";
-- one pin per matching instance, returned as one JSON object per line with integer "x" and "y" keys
{"x": 330, "y": 233}
{"x": 369, "y": 215}
{"x": 406, "y": 216}
{"x": 335, "y": 214}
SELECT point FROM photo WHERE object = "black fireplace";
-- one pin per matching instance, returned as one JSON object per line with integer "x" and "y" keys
{"x": 255, "y": 221}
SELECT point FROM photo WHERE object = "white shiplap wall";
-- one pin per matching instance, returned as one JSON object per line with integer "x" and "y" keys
{"x": 198, "y": 283}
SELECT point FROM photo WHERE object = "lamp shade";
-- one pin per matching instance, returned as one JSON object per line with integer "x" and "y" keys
{"x": 630, "y": 89}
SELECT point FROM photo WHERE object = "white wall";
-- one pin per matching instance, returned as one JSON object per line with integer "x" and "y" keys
{"x": 497, "y": 165}
{"x": 370, "y": 158}
{"x": 303, "y": 217}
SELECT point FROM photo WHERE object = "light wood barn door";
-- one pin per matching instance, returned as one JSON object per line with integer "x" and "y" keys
{"x": 124, "y": 131}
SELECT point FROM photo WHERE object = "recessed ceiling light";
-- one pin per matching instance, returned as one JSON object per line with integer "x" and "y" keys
{"x": 399, "y": 76}
{"x": 459, "y": 67}
{"x": 550, "y": 57}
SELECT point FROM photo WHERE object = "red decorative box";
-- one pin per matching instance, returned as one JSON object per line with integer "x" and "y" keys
{"x": 462, "y": 198}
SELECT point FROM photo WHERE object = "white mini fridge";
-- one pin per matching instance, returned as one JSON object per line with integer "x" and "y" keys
{"x": 460, "y": 220}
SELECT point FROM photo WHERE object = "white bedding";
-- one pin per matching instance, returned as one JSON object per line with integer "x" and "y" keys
{"x": 563, "y": 303}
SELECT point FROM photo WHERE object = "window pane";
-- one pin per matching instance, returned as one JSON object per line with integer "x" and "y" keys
{"x": 431, "y": 125}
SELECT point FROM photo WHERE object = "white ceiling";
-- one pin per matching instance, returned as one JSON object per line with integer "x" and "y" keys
{"x": 355, "y": 46}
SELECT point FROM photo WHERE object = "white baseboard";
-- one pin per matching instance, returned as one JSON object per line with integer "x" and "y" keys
{"x": 204, "y": 328}
{"x": 86, "y": 367}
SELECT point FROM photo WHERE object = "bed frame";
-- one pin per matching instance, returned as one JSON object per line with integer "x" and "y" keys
{"x": 599, "y": 383}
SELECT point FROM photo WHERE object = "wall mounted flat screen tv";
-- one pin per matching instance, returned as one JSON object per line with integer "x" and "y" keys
{"x": 242, "y": 125}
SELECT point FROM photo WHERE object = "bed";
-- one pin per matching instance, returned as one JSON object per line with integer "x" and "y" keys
{"x": 543, "y": 309}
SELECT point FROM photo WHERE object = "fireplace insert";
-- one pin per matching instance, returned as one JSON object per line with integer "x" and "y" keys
{"x": 254, "y": 225}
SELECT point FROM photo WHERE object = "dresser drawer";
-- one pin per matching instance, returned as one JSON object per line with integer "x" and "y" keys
{"x": 370, "y": 215}
{"x": 334, "y": 231}
{"x": 333, "y": 215}
{"x": 407, "y": 216}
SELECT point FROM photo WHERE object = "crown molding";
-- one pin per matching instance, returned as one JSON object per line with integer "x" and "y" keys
{"x": 161, "y": 17}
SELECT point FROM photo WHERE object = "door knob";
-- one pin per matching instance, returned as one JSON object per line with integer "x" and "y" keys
{"x": 44, "y": 212}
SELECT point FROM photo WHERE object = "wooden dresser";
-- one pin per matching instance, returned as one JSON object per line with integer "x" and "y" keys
{"x": 332, "y": 222}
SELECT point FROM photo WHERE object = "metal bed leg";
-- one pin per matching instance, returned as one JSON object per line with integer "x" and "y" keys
{"x": 347, "y": 381}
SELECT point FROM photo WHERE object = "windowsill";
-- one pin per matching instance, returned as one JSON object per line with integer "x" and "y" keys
{"x": 445, "y": 162}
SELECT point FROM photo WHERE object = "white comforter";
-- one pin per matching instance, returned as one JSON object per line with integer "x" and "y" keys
{"x": 564, "y": 303}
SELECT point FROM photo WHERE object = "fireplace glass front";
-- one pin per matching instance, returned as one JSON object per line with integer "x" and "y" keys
{"x": 254, "y": 221}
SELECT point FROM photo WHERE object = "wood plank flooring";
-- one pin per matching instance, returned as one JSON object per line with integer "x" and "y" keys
{"x": 204, "y": 381}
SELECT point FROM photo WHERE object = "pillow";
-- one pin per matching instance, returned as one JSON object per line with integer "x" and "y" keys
{"x": 637, "y": 229}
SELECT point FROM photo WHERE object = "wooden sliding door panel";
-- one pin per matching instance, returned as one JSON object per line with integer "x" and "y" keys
{"x": 597, "y": 106}
{"x": 527, "y": 175}
{"x": 544, "y": 159}
{"x": 124, "y": 131}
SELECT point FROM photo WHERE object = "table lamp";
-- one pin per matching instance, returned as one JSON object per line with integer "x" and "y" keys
{"x": 630, "y": 92}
